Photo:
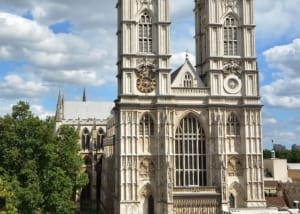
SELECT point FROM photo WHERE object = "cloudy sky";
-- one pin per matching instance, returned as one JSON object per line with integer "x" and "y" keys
{"x": 47, "y": 46}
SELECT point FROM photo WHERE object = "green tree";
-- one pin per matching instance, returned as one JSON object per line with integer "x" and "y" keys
{"x": 7, "y": 199}
{"x": 44, "y": 166}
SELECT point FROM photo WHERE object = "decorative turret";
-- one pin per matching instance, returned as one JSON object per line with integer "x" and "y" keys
{"x": 60, "y": 107}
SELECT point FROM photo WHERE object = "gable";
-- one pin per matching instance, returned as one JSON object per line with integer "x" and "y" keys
{"x": 186, "y": 77}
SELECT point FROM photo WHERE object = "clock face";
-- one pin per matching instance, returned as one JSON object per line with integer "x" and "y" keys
{"x": 232, "y": 84}
{"x": 145, "y": 84}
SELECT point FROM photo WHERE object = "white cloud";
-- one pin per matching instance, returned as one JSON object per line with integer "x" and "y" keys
{"x": 63, "y": 56}
{"x": 270, "y": 121}
{"x": 40, "y": 111}
{"x": 284, "y": 90}
{"x": 14, "y": 86}
{"x": 179, "y": 58}
{"x": 274, "y": 18}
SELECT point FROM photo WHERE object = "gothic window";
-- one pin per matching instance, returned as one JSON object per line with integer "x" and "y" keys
{"x": 233, "y": 125}
{"x": 145, "y": 33}
{"x": 190, "y": 154}
{"x": 188, "y": 80}
{"x": 232, "y": 201}
{"x": 85, "y": 139}
{"x": 146, "y": 126}
{"x": 230, "y": 37}
{"x": 100, "y": 138}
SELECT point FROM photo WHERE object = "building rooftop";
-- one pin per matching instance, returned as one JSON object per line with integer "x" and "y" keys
{"x": 87, "y": 110}
{"x": 294, "y": 166}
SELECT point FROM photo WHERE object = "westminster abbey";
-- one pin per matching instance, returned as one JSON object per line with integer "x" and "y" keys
{"x": 182, "y": 141}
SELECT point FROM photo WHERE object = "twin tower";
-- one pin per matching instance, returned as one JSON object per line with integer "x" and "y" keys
{"x": 189, "y": 140}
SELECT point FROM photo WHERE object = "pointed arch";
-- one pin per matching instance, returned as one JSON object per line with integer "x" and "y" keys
{"x": 85, "y": 139}
{"x": 145, "y": 32}
{"x": 233, "y": 124}
{"x": 148, "y": 199}
{"x": 100, "y": 138}
{"x": 236, "y": 195}
{"x": 190, "y": 153}
{"x": 146, "y": 125}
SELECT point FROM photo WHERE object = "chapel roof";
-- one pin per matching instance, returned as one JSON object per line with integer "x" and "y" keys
{"x": 87, "y": 110}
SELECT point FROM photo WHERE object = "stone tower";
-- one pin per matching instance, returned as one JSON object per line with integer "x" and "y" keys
{"x": 226, "y": 61}
{"x": 143, "y": 81}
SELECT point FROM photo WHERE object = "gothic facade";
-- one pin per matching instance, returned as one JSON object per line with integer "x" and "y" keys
{"x": 187, "y": 141}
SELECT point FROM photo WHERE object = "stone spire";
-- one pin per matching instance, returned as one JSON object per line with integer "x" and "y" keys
{"x": 84, "y": 96}
{"x": 59, "y": 108}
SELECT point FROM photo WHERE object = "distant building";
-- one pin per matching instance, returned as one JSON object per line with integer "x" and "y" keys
{"x": 279, "y": 147}
{"x": 295, "y": 147}
{"x": 282, "y": 183}
{"x": 90, "y": 119}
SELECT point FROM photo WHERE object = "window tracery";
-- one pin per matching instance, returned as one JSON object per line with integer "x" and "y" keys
{"x": 85, "y": 139}
{"x": 146, "y": 126}
{"x": 233, "y": 125}
{"x": 188, "y": 80}
{"x": 190, "y": 154}
{"x": 100, "y": 138}
{"x": 145, "y": 33}
{"x": 230, "y": 37}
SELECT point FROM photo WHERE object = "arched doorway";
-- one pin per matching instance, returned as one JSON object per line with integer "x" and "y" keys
{"x": 150, "y": 204}
{"x": 85, "y": 196}
{"x": 147, "y": 205}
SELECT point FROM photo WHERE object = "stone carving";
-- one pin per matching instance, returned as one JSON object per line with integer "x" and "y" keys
{"x": 230, "y": 6}
{"x": 234, "y": 167}
{"x": 146, "y": 1}
{"x": 146, "y": 169}
{"x": 232, "y": 67}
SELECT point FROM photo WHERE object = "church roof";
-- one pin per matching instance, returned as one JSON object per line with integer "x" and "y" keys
{"x": 175, "y": 73}
{"x": 87, "y": 110}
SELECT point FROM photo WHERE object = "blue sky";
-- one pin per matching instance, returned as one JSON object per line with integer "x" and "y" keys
{"x": 47, "y": 46}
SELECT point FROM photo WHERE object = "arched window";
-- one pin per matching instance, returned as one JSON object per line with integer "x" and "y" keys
{"x": 146, "y": 127}
{"x": 85, "y": 139}
{"x": 233, "y": 125}
{"x": 188, "y": 80}
{"x": 100, "y": 138}
{"x": 230, "y": 37}
{"x": 190, "y": 153}
{"x": 231, "y": 201}
{"x": 145, "y": 33}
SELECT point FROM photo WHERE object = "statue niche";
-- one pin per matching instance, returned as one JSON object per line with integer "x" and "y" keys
{"x": 146, "y": 169}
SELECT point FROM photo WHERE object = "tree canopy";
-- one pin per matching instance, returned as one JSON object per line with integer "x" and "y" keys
{"x": 292, "y": 156}
{"x": 39, "y": 167}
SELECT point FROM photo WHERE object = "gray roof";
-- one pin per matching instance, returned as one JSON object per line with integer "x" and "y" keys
{"x": 87, "y": 110}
